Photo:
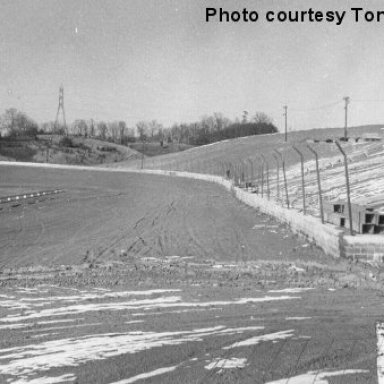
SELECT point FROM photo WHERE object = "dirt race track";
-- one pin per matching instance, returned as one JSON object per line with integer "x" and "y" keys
{"x": 127, "y": 278}
{"x": 107, "y": 216}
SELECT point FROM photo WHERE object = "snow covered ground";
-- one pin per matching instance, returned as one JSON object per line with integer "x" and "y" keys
{"x": 56, "y": 335}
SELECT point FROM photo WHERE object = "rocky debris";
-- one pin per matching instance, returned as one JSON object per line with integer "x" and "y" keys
{"x": 169, "y": 270}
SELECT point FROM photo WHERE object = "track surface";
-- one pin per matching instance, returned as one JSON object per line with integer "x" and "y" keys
{"x": 224, "y": 315}
{"x": 102, "y": 215}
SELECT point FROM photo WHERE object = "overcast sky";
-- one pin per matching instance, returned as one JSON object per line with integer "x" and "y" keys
{"x": 159, "y": 59}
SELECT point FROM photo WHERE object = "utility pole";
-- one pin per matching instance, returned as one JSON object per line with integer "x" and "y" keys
{"x": 92, "y": 133}
{"x": 142, "y": 157}
{"x": 346, "y": 100}
{"x": 286, "y": 122}
{"x": 61, "y": 108}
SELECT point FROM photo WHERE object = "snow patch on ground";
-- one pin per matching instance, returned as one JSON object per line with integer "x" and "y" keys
{"x": 31, "y": 302}
{"x": 47, "y": 380}
{"x": 298, "y": 318}
{"x": 161, "y": 302}
{"x": 60, "y": 321}
{"x": 290, "y": 290}
{"x": 231, "y": 363}
{"x": 274, "y": 337}
{"x": 317, "y": 377}
{"x": 143, "y": 376}
{"x": 29, "y": 360}
{"x": 13, "y": 326}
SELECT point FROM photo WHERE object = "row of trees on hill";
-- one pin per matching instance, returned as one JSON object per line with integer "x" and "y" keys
{"x": 207, "y": 130}
{"x": 116, "y": 131}
{"x": 218, "y": 127}
{"x": 16, "y": 123}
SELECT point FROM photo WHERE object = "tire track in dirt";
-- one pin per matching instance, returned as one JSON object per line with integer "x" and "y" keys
{"x": 31, "y": 233}
{"x": 37, "y": 222}
{"x": 147, "y": 235}
{"x": 85, "y": 228}
{"x": 197, "y": 248}
{"x": 10, "y": 244}
{"x": 158, "y": 232}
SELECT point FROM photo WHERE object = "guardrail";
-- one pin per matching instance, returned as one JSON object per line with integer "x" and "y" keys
{"x": 25, "y": 196}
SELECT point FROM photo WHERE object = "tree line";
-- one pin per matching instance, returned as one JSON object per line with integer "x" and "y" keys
{"x": 208, "y": 129}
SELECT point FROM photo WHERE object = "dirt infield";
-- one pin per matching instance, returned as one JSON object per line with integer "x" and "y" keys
{"x": 194, "y": 334}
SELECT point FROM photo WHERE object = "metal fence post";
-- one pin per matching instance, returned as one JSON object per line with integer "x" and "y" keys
{"x": 233, "y": 172}
{"x": 267, "y": 173}
{"x": 258, "y": 180}
{"x": 242, "y": 171}
{"x": 236, "y": 174}
{"x": 228, "y": 169}
{"x": 221, "y": 168}
{"x": 347, "y": 184}
{"x": 302, "y": 178}
{"x": 277, "y": 176}
{"x": 251, "y": 173}
{"x": 285, "y": 176}
{"x": 318, "y": 183}
{"x": 262, "y": 178}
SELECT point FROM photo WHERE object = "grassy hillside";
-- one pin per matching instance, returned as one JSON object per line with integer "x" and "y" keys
{"x": 251, "y": 147}
{"x": 155, "y": 149}
{"x": 59, "y": 150}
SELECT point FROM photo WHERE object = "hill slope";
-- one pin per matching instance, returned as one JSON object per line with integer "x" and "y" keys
{"x": 59, "y": 150}
{"x": 251, "y": 147}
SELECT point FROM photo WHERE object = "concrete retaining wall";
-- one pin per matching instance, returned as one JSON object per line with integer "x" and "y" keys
{"x": 367, "y": 248}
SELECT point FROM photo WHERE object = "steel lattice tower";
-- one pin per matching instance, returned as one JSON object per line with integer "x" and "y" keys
{"x": 61, "y": 108}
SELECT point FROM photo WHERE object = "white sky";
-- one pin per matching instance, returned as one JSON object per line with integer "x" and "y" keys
{"x": 158, "y": 59}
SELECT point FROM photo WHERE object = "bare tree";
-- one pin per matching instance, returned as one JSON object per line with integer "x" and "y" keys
{"x": 103, "y": 129}
{"x": 262, "y": 118}
{"x": 244, "y": 117}
{"x": 114, "y": 130}
{"x": 154, "y": 128}
{"x": 80, "y": 127}
{"x": 18, "y": 123}
{"x": 142, "y": 129}
{"x": 92, "y": 128}
{"x": 122, "y": 128}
